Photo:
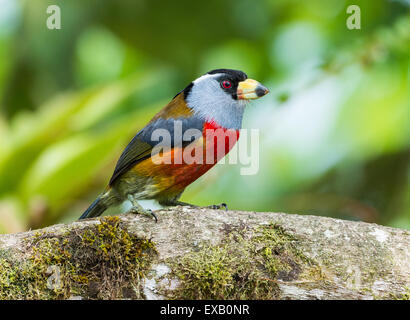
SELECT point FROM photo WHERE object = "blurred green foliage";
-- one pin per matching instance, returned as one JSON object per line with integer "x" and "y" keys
{"x": 334, "y": 132}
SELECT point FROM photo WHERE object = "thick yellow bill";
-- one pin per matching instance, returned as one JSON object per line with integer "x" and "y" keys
{"x": 250, "y": 89}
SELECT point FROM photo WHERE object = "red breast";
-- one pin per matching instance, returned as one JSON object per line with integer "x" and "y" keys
{"x": 219, "y": 140}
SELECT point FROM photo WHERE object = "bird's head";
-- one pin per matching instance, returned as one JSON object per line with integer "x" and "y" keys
{"x": 221, "y": 95}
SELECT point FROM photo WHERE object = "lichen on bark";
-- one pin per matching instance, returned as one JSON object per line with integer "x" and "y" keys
{"x": 246, "y": 264}
{"x": 101, "y": 262}
{"x": 199, "y": 253}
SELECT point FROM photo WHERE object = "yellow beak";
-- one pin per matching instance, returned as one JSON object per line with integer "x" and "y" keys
{"x": 250, "y": 89}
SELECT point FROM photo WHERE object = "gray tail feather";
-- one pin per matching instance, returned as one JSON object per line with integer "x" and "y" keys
{"x": 94, "y": 210}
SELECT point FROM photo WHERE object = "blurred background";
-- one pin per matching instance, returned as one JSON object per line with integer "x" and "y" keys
{"x": 334, "y": 132}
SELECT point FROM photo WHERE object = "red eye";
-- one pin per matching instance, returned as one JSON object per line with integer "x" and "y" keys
{"x": 226, "y": 84}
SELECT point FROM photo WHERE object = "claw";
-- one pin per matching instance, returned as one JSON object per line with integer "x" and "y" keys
{"x": 218, "y": 206}
{"x": 153, "y": 214}
{"x": 148, "y": 212}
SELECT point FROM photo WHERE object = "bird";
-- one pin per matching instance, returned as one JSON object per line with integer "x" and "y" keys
{"x": 210, "y": 107}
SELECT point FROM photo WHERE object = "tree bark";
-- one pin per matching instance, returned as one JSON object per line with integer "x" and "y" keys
{"x": 199, "y": 253}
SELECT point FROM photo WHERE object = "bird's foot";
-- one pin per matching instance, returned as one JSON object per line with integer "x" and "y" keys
{"x": 180, "y": 203}
{"x": 138, "y": 209}
{"x": 184, "y": 204}
{"x": 218, "y": 206}
{"x": 147, "y": 212}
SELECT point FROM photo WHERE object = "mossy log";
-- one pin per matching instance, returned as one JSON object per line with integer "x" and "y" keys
{"x": 207, "y": 254}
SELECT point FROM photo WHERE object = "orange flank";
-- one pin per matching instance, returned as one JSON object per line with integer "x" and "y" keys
{"x": 173, "y": 170}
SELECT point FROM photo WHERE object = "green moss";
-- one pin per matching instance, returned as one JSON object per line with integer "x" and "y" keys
{"x": 216, "y": 273}
{"x": 246, "y": 265}
{"x": 10, "y": 278}
{"x": 104, "y": 261}
{"x": 401, "y": 296}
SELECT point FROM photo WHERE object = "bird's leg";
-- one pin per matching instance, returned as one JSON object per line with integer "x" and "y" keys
{"x": 137, "y": 208}
{"x": 184, "y": 204}
{"x": 171, "y": 203}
